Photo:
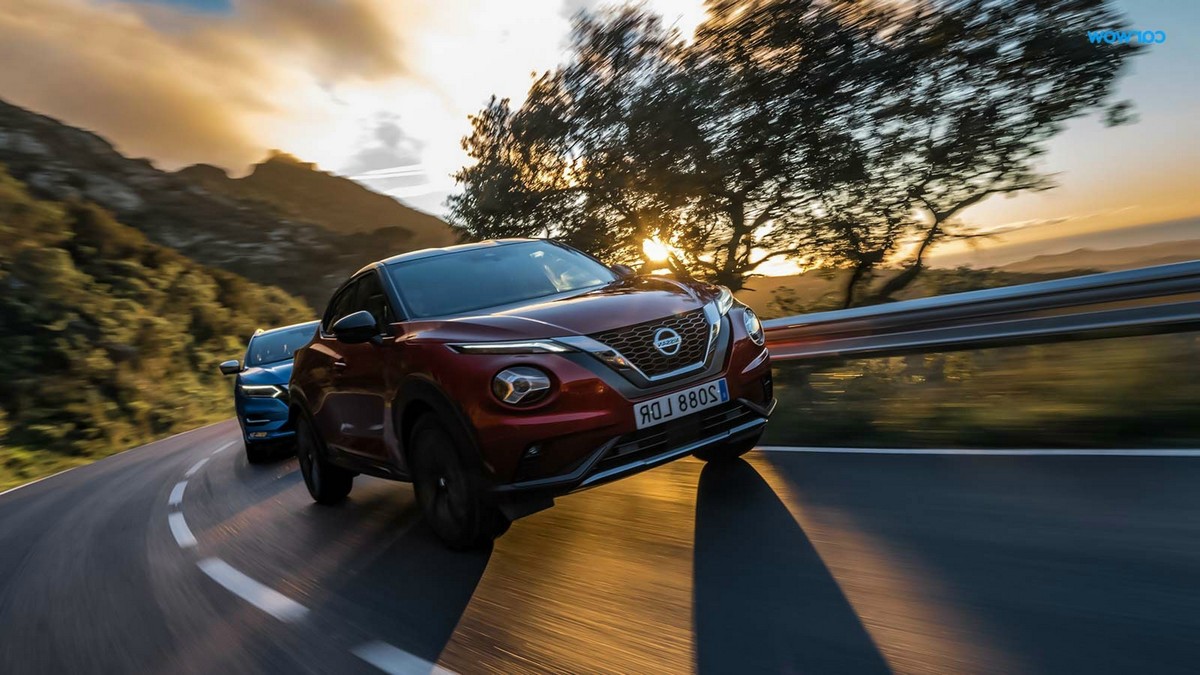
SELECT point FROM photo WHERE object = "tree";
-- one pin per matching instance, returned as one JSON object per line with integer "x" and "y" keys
{"x": 971, "y": 92}
{"x": 836, "y": 132}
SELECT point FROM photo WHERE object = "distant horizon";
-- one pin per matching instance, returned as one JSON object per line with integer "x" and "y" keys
{"x": 1112, "y": 239}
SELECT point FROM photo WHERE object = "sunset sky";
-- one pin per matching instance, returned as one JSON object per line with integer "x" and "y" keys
{"x": 381, "y": 89}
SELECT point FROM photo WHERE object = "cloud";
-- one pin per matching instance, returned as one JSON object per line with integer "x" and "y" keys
{"x": 573, "y": 8}
{"x": 389, "y": 148}
{"x": 182, "y": 86}
{"x": 353, "y": 85}
{"x": 349, "y": 38}
{"x": 390, "y": 162}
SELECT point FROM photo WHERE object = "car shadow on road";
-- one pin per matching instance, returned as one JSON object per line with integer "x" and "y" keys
{"x": 408, "y": 590}
{"x": 763, "y": 600}
{"x": 1054, "y": 564}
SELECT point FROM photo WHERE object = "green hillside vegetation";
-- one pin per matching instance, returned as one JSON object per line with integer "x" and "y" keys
{"x": 109, "y": 341}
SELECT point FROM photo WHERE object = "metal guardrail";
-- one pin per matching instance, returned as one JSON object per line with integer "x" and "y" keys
{"x": 1160, "y": 299}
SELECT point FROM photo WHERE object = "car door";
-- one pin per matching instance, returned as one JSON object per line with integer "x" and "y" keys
{"x": 357, "y": 397}
{"x": 326, "y": 404}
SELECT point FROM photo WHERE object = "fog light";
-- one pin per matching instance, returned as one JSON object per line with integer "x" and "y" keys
{"x": 520, "y": 385}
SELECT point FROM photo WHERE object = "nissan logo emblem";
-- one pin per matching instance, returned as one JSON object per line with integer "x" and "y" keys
{"x": 667, "y": 341}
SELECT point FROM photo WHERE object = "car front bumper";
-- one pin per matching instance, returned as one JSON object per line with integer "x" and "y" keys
{"x": 588, "y": 435}
{"x": 633, "y": 453}
{"x": 264, "y": 420}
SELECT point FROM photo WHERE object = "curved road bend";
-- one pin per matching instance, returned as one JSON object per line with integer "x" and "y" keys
{"x": 787, "y": 562}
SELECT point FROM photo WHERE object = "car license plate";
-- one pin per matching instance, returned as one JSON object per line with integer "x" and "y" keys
{"x": 676, "y": 405}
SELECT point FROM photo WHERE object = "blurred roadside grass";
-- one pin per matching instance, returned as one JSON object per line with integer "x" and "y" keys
{"x": 21, "y": 465}
{"x": 1119, "y": 393}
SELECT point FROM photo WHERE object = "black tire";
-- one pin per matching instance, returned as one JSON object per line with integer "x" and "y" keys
{"x": 258, "y": 453}
{"x": 326, "y": 482}
{"x": 451, "y": 488}
{"x": 728, "y": 451}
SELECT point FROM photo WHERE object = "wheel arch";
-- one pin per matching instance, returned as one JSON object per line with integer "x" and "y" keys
{"x": 420, "y": 395}
{"x": 297, "y": 406}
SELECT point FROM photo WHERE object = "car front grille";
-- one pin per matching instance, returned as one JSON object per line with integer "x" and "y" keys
{"x": 659, "y": 439}
{"x": 636, "y": 342}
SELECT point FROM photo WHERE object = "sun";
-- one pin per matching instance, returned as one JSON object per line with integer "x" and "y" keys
{"x": 655, "y": 250}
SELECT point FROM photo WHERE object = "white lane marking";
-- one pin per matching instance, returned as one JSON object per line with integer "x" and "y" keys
{"x": 176, "y": 497}
{"x": 1150, "y": 452}
{"x": 183, "y": 535}
{"x": 195, "y": 467}
{"x": 396, "y": 661}
{"x": 223, "y": 447}
{"x": 267, "y": 599}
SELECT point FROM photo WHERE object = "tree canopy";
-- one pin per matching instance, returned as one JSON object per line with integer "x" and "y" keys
{"x": 841, "y": 134}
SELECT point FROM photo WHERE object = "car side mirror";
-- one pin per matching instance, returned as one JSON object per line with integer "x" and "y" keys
{"x": 624, "y": 271}
{"x": 355, "y": 328}
{"x": 230, "y": 367}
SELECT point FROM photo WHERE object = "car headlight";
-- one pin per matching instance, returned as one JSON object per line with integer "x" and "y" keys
{"x": 516, "y": 347}
{"x": 520, "y": 385}
{"x": 263, "y": 390}
{"x": 753, "y": 326}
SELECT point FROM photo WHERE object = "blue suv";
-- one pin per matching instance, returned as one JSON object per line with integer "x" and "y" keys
{"x": 260, "y": 391}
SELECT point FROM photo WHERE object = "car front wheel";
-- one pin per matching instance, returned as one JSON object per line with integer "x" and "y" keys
{"x": 326, "y": 482}
{"x": 451, "y": 488}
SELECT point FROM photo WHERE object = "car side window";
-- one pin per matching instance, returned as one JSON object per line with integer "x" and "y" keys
{"x": 341, "y": 305}
{"x": 372, "y": 298}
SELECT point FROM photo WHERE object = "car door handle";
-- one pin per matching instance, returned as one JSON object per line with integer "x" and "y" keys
{"x": 339, "y": 366}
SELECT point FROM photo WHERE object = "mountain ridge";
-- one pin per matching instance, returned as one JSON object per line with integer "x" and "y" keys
{"x": 1110, "y": 259}
{"x": 301, "y": 191}
{"x": 215, "y": 228}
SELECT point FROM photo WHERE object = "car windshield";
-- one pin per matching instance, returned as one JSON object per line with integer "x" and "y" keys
{"x": 279, "y": 345}
{"x": 493, "y": 276}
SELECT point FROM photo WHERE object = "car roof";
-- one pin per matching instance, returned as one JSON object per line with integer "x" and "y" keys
{"x": 268, "y": 331}
{"x": 446, "y": 250}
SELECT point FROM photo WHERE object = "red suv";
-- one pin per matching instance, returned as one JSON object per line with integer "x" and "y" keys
{"x": 497, "y": 376}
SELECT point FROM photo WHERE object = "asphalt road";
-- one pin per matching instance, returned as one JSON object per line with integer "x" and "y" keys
{"x": 788, "y": 562}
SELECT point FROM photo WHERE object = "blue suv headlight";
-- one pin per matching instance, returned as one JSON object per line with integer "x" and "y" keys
{"x": 262, "y": 390}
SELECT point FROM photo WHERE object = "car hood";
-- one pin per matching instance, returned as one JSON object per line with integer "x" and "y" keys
{"x": 270, "y": 373}
{"x": 621, "y": 303}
